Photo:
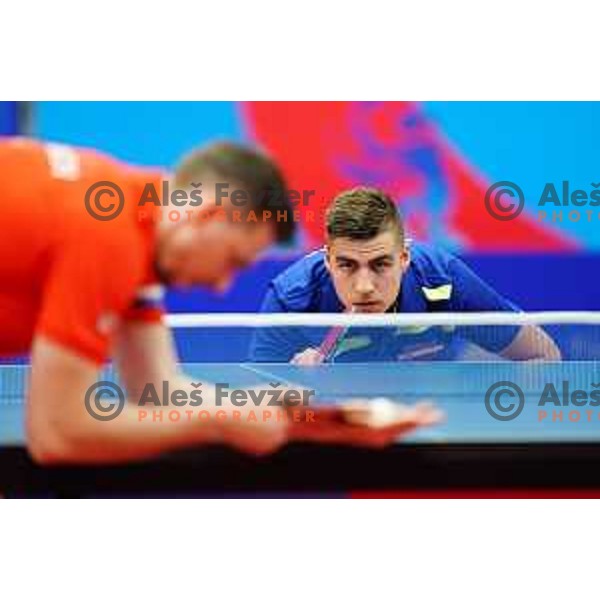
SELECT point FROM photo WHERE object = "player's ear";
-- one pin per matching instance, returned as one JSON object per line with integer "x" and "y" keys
{"x": 404, "y": 256}
{"x": 327, "y": 250}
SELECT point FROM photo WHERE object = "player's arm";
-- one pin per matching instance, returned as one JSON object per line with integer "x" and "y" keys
{"x": 531, "y": 343}
{"x": 512, "y": 342}
{"x": 60, "y": 428}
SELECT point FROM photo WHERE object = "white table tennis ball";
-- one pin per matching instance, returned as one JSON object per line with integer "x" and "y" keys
{"x": 383, "y": 412}
{"x": 376, "y": 413}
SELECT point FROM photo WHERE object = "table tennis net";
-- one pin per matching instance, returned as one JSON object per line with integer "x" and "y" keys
{"x": 472, "y": 337}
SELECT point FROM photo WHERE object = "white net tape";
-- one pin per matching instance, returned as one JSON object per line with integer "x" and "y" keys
{"x": 383, "y": 320}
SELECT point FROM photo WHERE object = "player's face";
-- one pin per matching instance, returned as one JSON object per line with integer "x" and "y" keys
{"x": 211, "y": 253}
{"x": 367, "y": 274}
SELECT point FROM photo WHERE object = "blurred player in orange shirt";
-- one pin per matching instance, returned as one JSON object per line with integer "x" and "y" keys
{"x": 87, "y": 243}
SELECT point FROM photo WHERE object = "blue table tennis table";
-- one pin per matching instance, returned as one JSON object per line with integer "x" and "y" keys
{"x": 480, "y": 443}
{"x": 459, "y": 389}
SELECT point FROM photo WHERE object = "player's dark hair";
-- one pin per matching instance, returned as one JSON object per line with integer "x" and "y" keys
{"x": 363, "y": 213}
{"x": 256, "y": 173}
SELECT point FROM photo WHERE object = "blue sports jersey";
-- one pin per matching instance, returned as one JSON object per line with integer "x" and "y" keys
{"x": 435, "y": 281}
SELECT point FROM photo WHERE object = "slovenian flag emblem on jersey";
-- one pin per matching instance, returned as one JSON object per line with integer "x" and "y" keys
{"x": 150, "y": 297}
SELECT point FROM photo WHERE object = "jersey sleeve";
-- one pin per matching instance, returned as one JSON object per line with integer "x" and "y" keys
{"x": 148, "y": 305}
{"x": 274, "y": 344}
{"x": 472, "y": 294}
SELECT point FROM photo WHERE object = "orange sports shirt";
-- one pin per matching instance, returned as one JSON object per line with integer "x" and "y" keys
{"x": 64, "y": 273}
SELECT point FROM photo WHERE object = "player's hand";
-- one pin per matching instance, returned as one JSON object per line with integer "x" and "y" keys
{"x": 308, "y": 357}
{"x": 370, "y": 424}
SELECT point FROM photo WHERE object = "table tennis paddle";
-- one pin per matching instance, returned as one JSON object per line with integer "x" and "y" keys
{"x": 332, "y": 340}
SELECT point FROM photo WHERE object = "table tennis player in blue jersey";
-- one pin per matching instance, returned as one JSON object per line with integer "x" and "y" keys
{"x": 367, "y": 267}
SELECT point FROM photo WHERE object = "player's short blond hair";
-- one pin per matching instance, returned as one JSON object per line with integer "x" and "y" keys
{"x": 363, "y": 213}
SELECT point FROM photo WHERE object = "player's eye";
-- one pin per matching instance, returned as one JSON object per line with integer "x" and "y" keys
{"x": 347, "y": 267}
{"x": 381, "y": 265}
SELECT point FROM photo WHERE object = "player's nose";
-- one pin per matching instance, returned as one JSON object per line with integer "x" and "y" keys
{"x": 364, "y": 285}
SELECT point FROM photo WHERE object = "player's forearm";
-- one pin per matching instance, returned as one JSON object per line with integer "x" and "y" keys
{"x": 532, "y": 344}
{"x": 132, "y": 435}
{"x": 145, "y": 430}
